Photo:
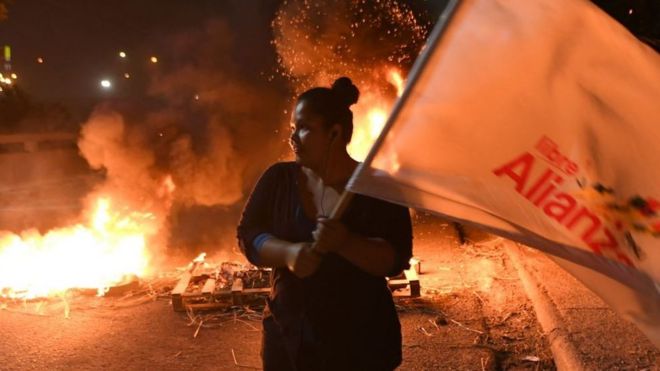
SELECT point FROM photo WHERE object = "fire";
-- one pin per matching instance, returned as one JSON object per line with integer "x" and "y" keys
{"x": 97, "y": 254}
{"x": 396, "y": 80}
{"x": 371, "y": 114}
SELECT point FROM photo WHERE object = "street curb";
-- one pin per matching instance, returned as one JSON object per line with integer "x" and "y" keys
{"x": 565, "y": 355}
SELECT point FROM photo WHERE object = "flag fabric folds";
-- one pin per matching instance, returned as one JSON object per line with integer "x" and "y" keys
{"x": 538, "y": 121}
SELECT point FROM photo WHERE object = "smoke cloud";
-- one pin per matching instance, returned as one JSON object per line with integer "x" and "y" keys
{"x": 213, "y": 130}
{"x": 213, "y": 127}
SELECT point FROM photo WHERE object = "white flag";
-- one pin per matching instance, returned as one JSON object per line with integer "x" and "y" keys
{"x": 539, "y": 121}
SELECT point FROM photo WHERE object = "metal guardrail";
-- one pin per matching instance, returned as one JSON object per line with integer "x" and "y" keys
{"x": 30, "y": 142}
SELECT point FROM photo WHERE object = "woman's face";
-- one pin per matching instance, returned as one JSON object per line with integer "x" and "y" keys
{"x": 310, "y": 139}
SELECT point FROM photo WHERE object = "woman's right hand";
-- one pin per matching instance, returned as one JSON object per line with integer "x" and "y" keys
{"x": 302, "y": 260}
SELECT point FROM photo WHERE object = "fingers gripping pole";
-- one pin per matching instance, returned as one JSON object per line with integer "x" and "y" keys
{"x": 337, "y": 213}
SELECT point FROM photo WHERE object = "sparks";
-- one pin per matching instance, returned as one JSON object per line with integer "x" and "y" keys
{"x": 378, "y": 72}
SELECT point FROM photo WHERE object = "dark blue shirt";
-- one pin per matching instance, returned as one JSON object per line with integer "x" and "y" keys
{"x": 341, "y": 316}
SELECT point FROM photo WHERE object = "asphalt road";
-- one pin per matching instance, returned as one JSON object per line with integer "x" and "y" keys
{"x": 473, "y": 315}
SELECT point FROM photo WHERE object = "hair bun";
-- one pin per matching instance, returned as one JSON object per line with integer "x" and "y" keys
{"x": 347, "y": 93}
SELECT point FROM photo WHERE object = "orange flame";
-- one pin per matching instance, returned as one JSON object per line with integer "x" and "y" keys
{"x": 96, "y": 254}
{"x": 395, "y": 78}
{"x": 371, "y": 114}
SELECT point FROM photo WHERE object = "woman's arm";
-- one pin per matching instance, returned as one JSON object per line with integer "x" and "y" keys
{"x": 253, "y": 232}
{"x": 256, "y": 219}
{"x": 298, "y": 257}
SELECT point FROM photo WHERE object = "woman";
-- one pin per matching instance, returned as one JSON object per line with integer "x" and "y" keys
{"x": 330, "y": 308}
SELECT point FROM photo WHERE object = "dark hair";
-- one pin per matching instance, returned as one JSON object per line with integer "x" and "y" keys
{"x": 334, "y": 104}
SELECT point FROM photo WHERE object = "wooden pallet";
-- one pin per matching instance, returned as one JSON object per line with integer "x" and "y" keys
{"x": 405, "y": 285}
{"x": 198, "y": 291}
{"x": 210, "y": 297}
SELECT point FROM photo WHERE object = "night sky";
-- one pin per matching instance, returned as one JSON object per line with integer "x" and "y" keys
{"x": 79, "y": 41}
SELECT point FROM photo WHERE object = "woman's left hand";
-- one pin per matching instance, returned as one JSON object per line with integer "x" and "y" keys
{"x": 331, "y": 235}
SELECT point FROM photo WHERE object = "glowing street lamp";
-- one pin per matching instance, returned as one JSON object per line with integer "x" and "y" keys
{"x": 153, "y": 59}
{"x": 122, "y": 54}
{"x": 106, "y": 84}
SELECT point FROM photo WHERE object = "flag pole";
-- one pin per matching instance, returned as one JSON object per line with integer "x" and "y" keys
{"x": 416, "y": 71}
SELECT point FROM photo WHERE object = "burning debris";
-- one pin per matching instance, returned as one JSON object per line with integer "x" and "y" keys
{"x": 95, "y": 254}
{"x": 155, "y": 165}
